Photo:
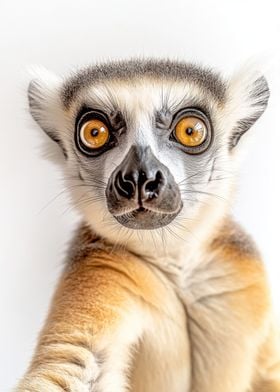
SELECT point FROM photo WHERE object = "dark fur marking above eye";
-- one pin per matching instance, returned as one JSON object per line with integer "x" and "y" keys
{"x": 117, "y": 120}
{"x": 163, "y": 119}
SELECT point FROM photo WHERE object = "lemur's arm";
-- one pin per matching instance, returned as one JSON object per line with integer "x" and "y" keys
{"x": 94, "y": 321}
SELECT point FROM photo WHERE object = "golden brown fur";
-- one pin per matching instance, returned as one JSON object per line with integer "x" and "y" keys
{"x": 102, "y": 288}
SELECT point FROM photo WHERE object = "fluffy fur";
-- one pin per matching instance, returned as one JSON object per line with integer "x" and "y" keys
{"x": 183, "y": 308}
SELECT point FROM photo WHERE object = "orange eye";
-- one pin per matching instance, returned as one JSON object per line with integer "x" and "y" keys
{"x": 94, "y": 134}
{"x": 191, "y": 131}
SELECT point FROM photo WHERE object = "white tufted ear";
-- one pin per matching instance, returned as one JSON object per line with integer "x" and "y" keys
{"x": 248, "y": 95}
{"x": 45, "y": 104}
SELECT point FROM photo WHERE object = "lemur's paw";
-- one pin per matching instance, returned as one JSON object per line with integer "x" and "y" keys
{"x": 48, "y": 380}
{"x": 52, "y": 383}
{"x": 66, "y": 367}
{"x": 56, "y": 383}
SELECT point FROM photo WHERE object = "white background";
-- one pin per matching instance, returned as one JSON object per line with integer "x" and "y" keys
{"x": 63, "y": 34}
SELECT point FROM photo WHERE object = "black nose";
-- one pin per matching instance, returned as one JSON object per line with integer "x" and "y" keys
{"x": 144, "y": 186}
{"x": 139, "y": 178}
{"x": 144, "y": 183}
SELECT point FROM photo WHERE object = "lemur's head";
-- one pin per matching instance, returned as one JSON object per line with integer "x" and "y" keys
{"x": 150, "y": 147}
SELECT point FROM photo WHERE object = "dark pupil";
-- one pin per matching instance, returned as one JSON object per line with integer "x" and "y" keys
{"x": 94, "y": 132}
{"x": 189, "y": 131}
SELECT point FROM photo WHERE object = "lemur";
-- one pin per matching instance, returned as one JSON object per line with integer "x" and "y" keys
{"x": 162, "y": 291}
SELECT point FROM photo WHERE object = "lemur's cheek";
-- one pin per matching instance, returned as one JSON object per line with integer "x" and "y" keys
{"x": 141, "y": 192}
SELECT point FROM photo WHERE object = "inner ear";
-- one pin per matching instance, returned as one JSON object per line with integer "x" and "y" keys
{"x": 250, "y": 100}
{"x": 60, "y": 143}
{"x": 45, "y": 104}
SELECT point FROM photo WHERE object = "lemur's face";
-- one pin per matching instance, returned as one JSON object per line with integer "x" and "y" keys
{"x": 148, "y": 145}
{"x": 143, "y": 147}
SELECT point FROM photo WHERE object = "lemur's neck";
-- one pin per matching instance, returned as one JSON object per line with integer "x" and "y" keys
{"x": 175, "y": 250}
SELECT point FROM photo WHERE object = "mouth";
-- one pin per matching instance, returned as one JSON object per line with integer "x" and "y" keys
{"x": 146, "y": 219}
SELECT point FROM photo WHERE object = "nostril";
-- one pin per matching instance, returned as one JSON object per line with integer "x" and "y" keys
{"x": 152, "y": 187}
{"x": 124, "y": 186}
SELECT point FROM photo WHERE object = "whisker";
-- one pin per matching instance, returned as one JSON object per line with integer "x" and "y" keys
{"x": 85, "y": 201}
{"x": 153, "y": 239}
{"x": 204, "y": 172}
{"x": 53, "y": 199}
{"x": 168, "y": 228}
{"x": 211, "y": 180}
{"x": 182, "y": 227}
{"x": 206, "y": 193}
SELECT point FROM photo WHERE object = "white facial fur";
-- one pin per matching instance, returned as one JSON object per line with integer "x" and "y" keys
{"x": 138, "y": 100}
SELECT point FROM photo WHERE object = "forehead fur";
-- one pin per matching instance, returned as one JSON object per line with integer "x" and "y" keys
{"x": 137, "y": 69}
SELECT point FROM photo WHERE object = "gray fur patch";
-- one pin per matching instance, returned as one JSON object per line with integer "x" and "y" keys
{"x": 137, "y": 68}
{"x": 81, "y": 244}
{"x": 233, "y": 236}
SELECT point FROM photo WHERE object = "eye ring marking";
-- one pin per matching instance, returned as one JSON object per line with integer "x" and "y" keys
{"x": 84, "y": 142}
{"x": 94, "y": 134}
{"x": 192, "y": 141}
